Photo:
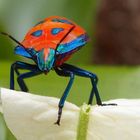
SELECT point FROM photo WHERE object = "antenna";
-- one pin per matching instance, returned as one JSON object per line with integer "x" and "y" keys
{"x": 3, "y": 33}
{"x": 6, "y": 34}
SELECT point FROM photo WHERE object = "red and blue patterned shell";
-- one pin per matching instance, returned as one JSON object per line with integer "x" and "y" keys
{"x": 52, "y": 41}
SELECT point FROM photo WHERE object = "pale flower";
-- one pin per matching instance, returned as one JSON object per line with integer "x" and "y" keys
{"x": 32, "y": 117}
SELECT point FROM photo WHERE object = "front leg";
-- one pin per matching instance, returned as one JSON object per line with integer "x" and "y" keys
{"x": 63, "y": 72}
{"x": 14, "y": 68}
{"x": 27, "y": 75}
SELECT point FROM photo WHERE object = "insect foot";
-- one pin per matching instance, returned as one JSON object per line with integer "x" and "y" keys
{"x": 59, "y": 116}
{"x": 111, "y": 104}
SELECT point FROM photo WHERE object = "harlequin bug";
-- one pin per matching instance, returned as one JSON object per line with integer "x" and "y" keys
{"x": 49, "y": 44}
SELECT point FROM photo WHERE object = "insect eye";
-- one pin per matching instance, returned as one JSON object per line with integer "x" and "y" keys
{"x": 37, "y": 33}
{"x": 55, "y": 31}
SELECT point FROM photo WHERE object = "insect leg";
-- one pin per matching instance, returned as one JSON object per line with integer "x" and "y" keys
{"x": 12, "y": 82}
{"x": 66, "y": 92}
{"x": 15, "y": 67}
{"x": 87, "y": 74}
{"x": 27, "y": 75}
{"x": 94, "y": 81}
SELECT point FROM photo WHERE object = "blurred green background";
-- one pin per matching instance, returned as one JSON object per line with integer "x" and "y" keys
{"x": 17, "y": 16}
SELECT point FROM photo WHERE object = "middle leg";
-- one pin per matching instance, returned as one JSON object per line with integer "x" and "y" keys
{"x": 63, "y": 72}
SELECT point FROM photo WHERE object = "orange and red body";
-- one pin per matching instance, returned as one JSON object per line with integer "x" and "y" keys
{"x": 52, "y": 41}
{"x": 49, "y": 44}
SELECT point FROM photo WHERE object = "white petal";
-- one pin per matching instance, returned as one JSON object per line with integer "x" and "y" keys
{"x": 121, "y": 122}
{"x": 32, "y": 117}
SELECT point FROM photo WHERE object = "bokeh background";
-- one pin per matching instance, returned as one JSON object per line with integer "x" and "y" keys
{"x": 113, "y": 52}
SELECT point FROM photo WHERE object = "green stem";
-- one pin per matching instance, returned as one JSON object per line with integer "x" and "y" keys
{"x": 83, "y": 122}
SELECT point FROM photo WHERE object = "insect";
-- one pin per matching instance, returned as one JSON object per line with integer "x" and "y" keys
{"x": 49, "y": 44}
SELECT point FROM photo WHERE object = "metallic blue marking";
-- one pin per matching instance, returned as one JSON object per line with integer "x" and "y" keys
{"x": 62, "y": 21}
{"x": 78, "y": 42}
{"x": 45, "y": 65}
{"x": 55, "y": 31}
{"x": 19, "y": 50}
{"x": 37, "y": 33}
{"x": 50, "y": 59}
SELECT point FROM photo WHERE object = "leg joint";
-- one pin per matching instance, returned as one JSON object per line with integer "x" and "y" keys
{"x": 71, "y": 75}
{"x": 13, "y": 66}
{"x": 94, "y": 78}
{"x": 60, "y": 105}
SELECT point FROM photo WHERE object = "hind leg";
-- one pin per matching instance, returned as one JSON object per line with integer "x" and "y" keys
{"x": 94, "y": 90}
{"x": 83, "y": 73}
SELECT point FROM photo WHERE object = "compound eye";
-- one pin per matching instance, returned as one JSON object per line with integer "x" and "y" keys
{"x": 37, "y": 33}
{"x": 55, "y": 31}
